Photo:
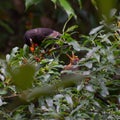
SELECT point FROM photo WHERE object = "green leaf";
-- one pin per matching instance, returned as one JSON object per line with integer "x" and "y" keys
{"x": 94, "y": 3}
{"x": 3, "y": 92}
{"x": 97, "y": 56}
{"x": 54, "y": 1}
{"x": 69, "y": 18}
{"x": 80, "y": 3}
{"x": 82, "y": 103}
{"x": 69, "y": 100}
{"x": 14, "y": 51}
{"x": 39, "y": 92}
{"x": 75, "y": 45}
{"x": 28, "y": 3}
{"x": 7, "y": 57}
{"x": 68, "y": 79}
{"x": 95, "y": 30}
{"x": 90, "y": 88}
{"x": 67, "y": 7}
{"x": 1, "y": 102}
{"x": 72, "y": 28}
{"x": 25, "y": 50}
{"x": 111, "y": 58}
{"x": 22, "y": 78}
{"x": 104, "y": 91}
{"x": 89, "y": 64}
{"x": 113, "y": 12}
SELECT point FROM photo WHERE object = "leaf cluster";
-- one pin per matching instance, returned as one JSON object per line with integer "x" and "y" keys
{"x": 37, "y": 85}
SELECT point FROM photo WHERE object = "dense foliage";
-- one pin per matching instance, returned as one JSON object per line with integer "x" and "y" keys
{"x": 37, "y": 85}
{"x": 66, "y": 78}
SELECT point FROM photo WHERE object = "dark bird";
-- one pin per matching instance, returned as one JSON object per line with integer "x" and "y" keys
{"x": 35, "y": 36}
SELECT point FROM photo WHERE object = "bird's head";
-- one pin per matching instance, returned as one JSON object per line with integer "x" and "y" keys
{"x": 29, "y": 41}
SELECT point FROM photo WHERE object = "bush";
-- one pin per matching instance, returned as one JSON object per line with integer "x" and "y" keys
{"x": 41, "y": 85}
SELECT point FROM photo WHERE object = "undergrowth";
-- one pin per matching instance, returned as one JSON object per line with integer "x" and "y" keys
{"x": 44, "y": 85}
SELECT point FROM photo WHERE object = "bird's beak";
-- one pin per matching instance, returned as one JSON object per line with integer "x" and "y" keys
{"x": 32, "y": 47}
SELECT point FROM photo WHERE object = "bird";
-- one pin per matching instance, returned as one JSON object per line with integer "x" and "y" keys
{"x": 34, "y": 37}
